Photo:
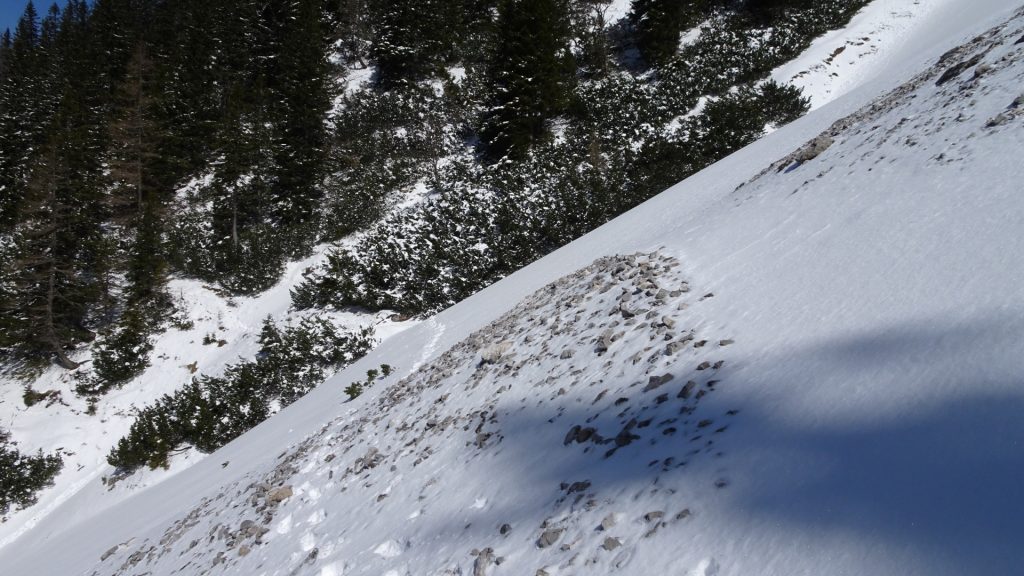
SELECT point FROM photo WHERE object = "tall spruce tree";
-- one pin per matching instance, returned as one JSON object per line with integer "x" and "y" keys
{"x": 532, "y": 71}
{"x": 413, "y": 38}
{"x": 658, "y": 24}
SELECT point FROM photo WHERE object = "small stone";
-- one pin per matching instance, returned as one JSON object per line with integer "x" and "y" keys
{"x": 483, "y": 561}
{"x": 243, "y": 550}
{"x": 609, "y": 522}
{"x": 109, "y": 553}
{"x": 668, "y": 322}
{"x": 505, "y": 529}
{"x": 726, "y": 342}
{"x": 278, "y": 495}
{"x": 682, "y": 515}
{"x": 655, "y": 515}
{"x": 657, "y": 381}
{"x": 578, "y": 487}
{"x": 566, "y": 354}
{"x": 998, "y": 120}
{"x": 704, "y": 365}
{"x": 687, "y": 390}
{"x": 492, "y": 354}
{"x": 610, "y": 543}
{"x": 549, "y": 537}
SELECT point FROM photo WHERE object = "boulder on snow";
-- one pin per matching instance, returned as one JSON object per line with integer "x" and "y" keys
{"x": 278, "y": 495}
{"x": 549, "y": 537}
{"x": 494, "y": 353}
{"x": 813, "y": 149}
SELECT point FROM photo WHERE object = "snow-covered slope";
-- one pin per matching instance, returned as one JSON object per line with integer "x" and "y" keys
{"x": 856, "y": 391}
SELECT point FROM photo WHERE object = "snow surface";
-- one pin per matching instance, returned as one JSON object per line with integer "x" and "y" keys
{"x": 872, "y": 394}
{"x": 841, "y": 60}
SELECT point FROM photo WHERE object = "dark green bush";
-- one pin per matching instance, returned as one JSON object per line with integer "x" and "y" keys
{"x": 211, "y": 411}
{"x": 22, "y": 476}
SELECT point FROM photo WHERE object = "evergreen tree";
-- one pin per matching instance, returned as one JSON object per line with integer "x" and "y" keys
{"x": 300, "y": 103}
{"x": 414, "y": 37}
{"x": 532, "y": 72}
{"x": 658, "y": 24}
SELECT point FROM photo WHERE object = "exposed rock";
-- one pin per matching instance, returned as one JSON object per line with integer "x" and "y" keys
{"x": 493, "y": 354}
{"x": 814, "y": 149}
{"x": 505, "y": 529}
{"x": 609, "y": 522}
{"x": 109, "y": 553}
{"x": 726, "y": 342}
{"x": 655, "y": 515}
{"x": 704, "y": 365}
{"x": 243, "y": 550}
{"x": 371, "y": 459}
{"x": 687, "y": 390}
{"x": 566, "y": 354}
{"x": 577, "y": 487}
{"x": 549, "y": 537}
{"x": 278, "y": 495}
{"x": 610, "y": 543}
{"x": 483, "y": 561}
{"x": 957, "y": 69}
{"x": 580, "y": 435}
{"x": 998, "y": 120}
{"x": 657, "y": 381}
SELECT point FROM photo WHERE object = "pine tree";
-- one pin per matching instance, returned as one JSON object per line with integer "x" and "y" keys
{"x": 658, "y": 24}
{"x": 414, "y": 38}
{"x": 301, "y": 98}
{"x": 532, "y": 71}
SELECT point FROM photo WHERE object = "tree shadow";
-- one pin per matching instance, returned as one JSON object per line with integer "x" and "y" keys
{"x": 938, "y": 477}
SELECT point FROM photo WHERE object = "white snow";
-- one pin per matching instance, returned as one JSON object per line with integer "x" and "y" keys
{"x": 871, "y": 397}
{"x": 841, "y": 60}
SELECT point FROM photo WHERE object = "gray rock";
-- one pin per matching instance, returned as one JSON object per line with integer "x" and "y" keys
{"x": 687, "y": 389}
{"x": 814, "y": 149}
{"x": 726, "y": 342}
{"x": 483, "y": 561}
{"x": 657, "y": 381}
{"x": 549, "y": 537}
{"x": 998, "y": 120}
{"x": 610, "y": 543}
{"x": 674, "y": 348}
{"x": 109, "y": 553}
{"x": 668, "y": 322}
{"x": 566, "y": 354}
{"x": 371, "y": 459}
{"x": 278, "y": 495}
{"x": 655, "y": 515}
{"x": 609, "y": 522}
{"x": 580, "y": 435}
{"x": 492, "y": 354}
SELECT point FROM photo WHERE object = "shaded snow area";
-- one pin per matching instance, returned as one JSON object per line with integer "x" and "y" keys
{"x": 804, "y": 360}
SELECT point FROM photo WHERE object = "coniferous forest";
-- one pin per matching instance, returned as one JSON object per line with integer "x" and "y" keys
{"x": 220, "y": 139}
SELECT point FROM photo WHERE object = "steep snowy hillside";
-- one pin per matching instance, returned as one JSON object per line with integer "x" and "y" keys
{"x": 803, "y": 360}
